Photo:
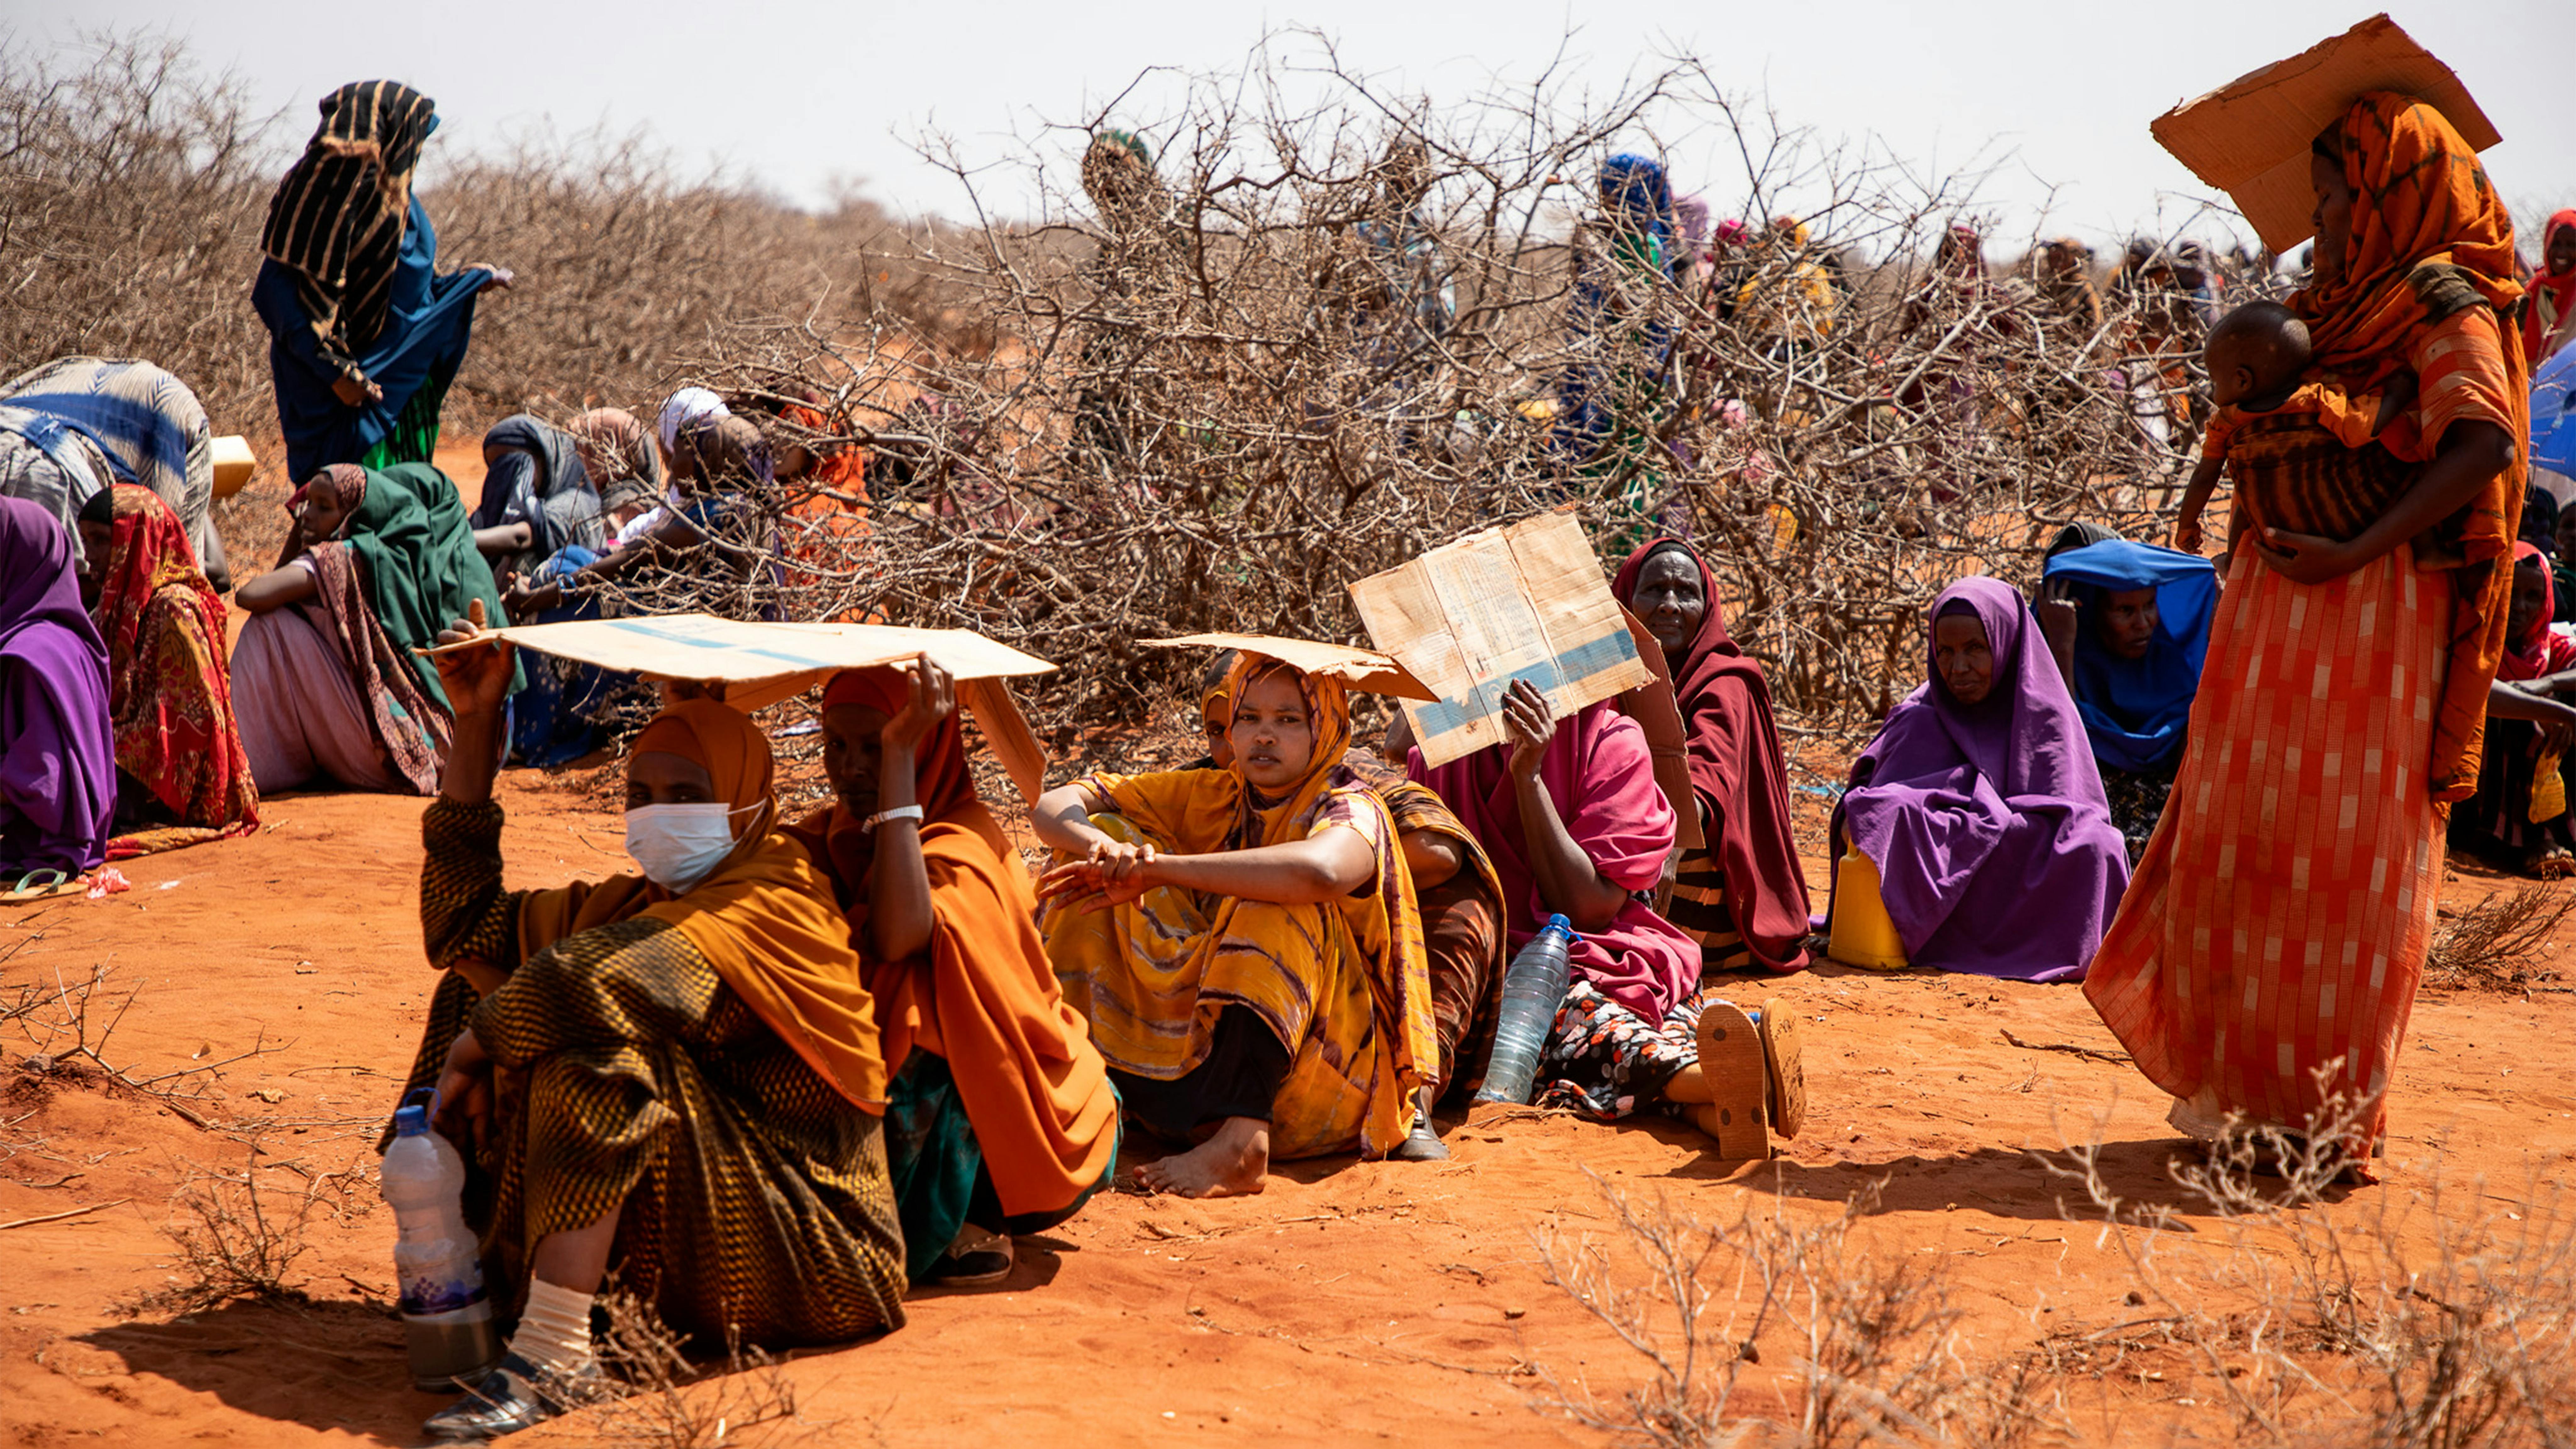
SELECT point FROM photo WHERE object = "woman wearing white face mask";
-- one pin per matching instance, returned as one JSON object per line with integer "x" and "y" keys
{"x": 676, "y": 1072}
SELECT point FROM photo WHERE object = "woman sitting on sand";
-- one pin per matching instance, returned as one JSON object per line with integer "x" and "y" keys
{"x": 672, "y": 1072}
{"x": 1742, "y": 896}
{"x": 2128, "y": 626}
{"x": 537, "y": 498}
{"x": 61, "y": 421}
{"x": 1980, "y": 804}
{"x": 325, "y": 684}
{"x": 1000, "y": 1120}
{"x": 1461, "y": 904}
{"x": 1245, "y": 943}
{"x": 1569, "y": 813}
{"x": 57, "y": 755}
{"x": 2518, "y": 817}
{"x": 700, "y": 549}
{"x": 179, "y": 757}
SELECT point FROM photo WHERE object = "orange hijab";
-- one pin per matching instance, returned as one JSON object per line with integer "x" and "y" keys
{"x": 2421, "y": 200}
{"x": 983, "y": 996}
{"x": 763, "y": 918}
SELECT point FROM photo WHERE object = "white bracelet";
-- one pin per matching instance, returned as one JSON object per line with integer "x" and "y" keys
{"x": 900, "y": 812}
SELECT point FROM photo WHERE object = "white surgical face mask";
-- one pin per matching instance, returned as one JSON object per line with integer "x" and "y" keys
{"x": 677, "y": 845}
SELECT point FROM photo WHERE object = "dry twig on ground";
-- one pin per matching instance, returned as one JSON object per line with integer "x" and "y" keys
{"x": 2498, "y": 943}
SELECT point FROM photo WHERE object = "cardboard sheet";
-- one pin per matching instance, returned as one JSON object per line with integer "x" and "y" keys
{"x": 761, "y": 664}
{"x": 2250, "y": 138}
{"x": 1362, "y": 669}
{"x": 1466, "y": 619}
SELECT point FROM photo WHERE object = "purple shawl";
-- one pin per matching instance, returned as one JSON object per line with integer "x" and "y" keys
{"x": 1993, "y": 841}
{"x": 57, "y": 753}
{"x": 1601, "y": 777}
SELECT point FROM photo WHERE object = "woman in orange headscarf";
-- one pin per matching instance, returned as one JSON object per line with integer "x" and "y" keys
{"x": 2266, "y": 954}
{"x": 170, "y": 692}
{"x": 1000, "y": 1119}
{"x": 1245, "y": 942}
{"x": 674, "y": 1071}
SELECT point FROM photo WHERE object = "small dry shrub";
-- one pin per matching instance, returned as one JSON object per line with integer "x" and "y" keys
{"x": 238, "y": 1237}
{"x": 2429, "y": 1316}
{"x": 1870, "y": 1344}
{"x": 2498, "y": 943}
{"x": 659, "y": 1398}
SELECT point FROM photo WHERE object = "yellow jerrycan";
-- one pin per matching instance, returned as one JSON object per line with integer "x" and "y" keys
{"x": 1863, "y": 933}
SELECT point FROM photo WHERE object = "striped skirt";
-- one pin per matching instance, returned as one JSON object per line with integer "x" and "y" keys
{"x": 2265, "y": 958}
{"x": 1699, "y": 907}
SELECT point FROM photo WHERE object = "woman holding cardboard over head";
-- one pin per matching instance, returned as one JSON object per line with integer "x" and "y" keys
{"x": 674, "y": 1072}
{"x": 1000, "y": 1119}
{"x": 1245, "y": 943}
{"x": 2263, "y": 965}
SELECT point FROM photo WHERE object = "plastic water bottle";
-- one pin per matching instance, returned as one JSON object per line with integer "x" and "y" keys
{"x": 437, "y": 1262}
{"x": 1533, "y": 989}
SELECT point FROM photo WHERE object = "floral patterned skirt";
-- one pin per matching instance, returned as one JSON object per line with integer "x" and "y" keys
{"x": 1607, "y": 1062}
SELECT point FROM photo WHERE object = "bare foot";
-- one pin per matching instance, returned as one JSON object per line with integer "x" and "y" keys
{"x": 1233, "y": 1163}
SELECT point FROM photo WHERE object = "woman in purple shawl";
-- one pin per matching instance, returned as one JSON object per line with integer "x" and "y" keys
{"x": 1980, "y": 804}
{"x": 57, "y": 754}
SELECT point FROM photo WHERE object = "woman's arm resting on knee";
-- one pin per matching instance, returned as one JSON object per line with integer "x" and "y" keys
{"x": 276, "y": 589}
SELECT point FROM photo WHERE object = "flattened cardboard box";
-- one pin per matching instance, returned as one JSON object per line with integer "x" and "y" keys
{"x": 2250, "y": 138}
{"x": 1468, "y": 618}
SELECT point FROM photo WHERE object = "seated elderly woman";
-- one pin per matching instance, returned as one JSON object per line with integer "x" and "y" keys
{"x": 2128, "y": 625}
{"x": 1245, "y": 943}
{"x": 1743, "y": 895}
{"x": 1000, "y": 1119}
{"x": 1570, "y": 814}
{"x": 1981, "y": 807}
{"x": 57, "y": 755}
{"x": 325, "y": 684}
{"x": 673, "y": 1072}
{"x": 181, "y": 770}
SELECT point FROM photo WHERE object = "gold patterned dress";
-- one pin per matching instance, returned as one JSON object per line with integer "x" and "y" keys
{"x": 755, "y": 1194}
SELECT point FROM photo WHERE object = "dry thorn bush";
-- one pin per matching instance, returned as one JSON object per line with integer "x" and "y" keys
{"x": 237, "y": 1236}
{"x": 2439, "y": 1316}
{"x": 58, "y": 1024}
{"x": 1315, "y": 336}
{"x": 2500, "y": 943}
{"x": 1867, "y": 1346}
{"x": 659, "y": 1399}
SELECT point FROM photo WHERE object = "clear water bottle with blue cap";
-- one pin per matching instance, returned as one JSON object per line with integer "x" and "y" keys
{"x": 1533, "y": 989}
{"x": 438, "y": 1267}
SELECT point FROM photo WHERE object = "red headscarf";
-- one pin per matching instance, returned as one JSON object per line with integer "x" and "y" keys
{"x": 1737, "y": 770}
{"x": 2541, "y": 650}
{"x": 170, "y": 684}
{"x": 2557, "y": 289}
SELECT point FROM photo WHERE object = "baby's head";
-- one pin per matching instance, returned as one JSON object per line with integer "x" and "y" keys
{"x": 2255, "y": 351}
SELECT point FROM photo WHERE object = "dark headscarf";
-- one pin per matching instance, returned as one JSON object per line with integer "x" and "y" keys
{"x": 539, "y": 480}
{"x": 1737, "y": 769}
{"x": 337, "y": 219}
{"x": 2540, "y": 518}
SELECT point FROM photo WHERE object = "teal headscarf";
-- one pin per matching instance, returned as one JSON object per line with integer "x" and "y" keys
{"x": 422, "y": 568}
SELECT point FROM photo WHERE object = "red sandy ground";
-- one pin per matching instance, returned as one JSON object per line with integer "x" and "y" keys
{"x": 1354, "y": 1302}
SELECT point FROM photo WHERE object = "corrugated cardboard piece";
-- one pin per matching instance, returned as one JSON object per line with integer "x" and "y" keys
{"x": 1361, "y": 669}
{"x": 761, "y": 664}
{"x": 1468, "y": 618}
{"x": 2250, "y": 138}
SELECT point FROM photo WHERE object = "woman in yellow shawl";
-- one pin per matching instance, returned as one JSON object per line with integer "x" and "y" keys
{"x": 674, "y": 1072}
{"x": 1245, "y": 943}
{"x": 1000, "y": 1121}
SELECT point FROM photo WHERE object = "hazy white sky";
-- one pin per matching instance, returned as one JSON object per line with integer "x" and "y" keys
{"x": 797, "y": 93}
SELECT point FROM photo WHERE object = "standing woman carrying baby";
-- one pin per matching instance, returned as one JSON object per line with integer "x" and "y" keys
{"x": 2264, "y": 961}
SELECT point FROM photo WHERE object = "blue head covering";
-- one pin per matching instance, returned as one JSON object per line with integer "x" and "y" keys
{"x": 1637, "y": 194}
{"x": 2137, "y": 710}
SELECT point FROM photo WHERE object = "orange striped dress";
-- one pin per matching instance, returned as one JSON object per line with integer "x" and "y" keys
{"x": 2265, "y": 959}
